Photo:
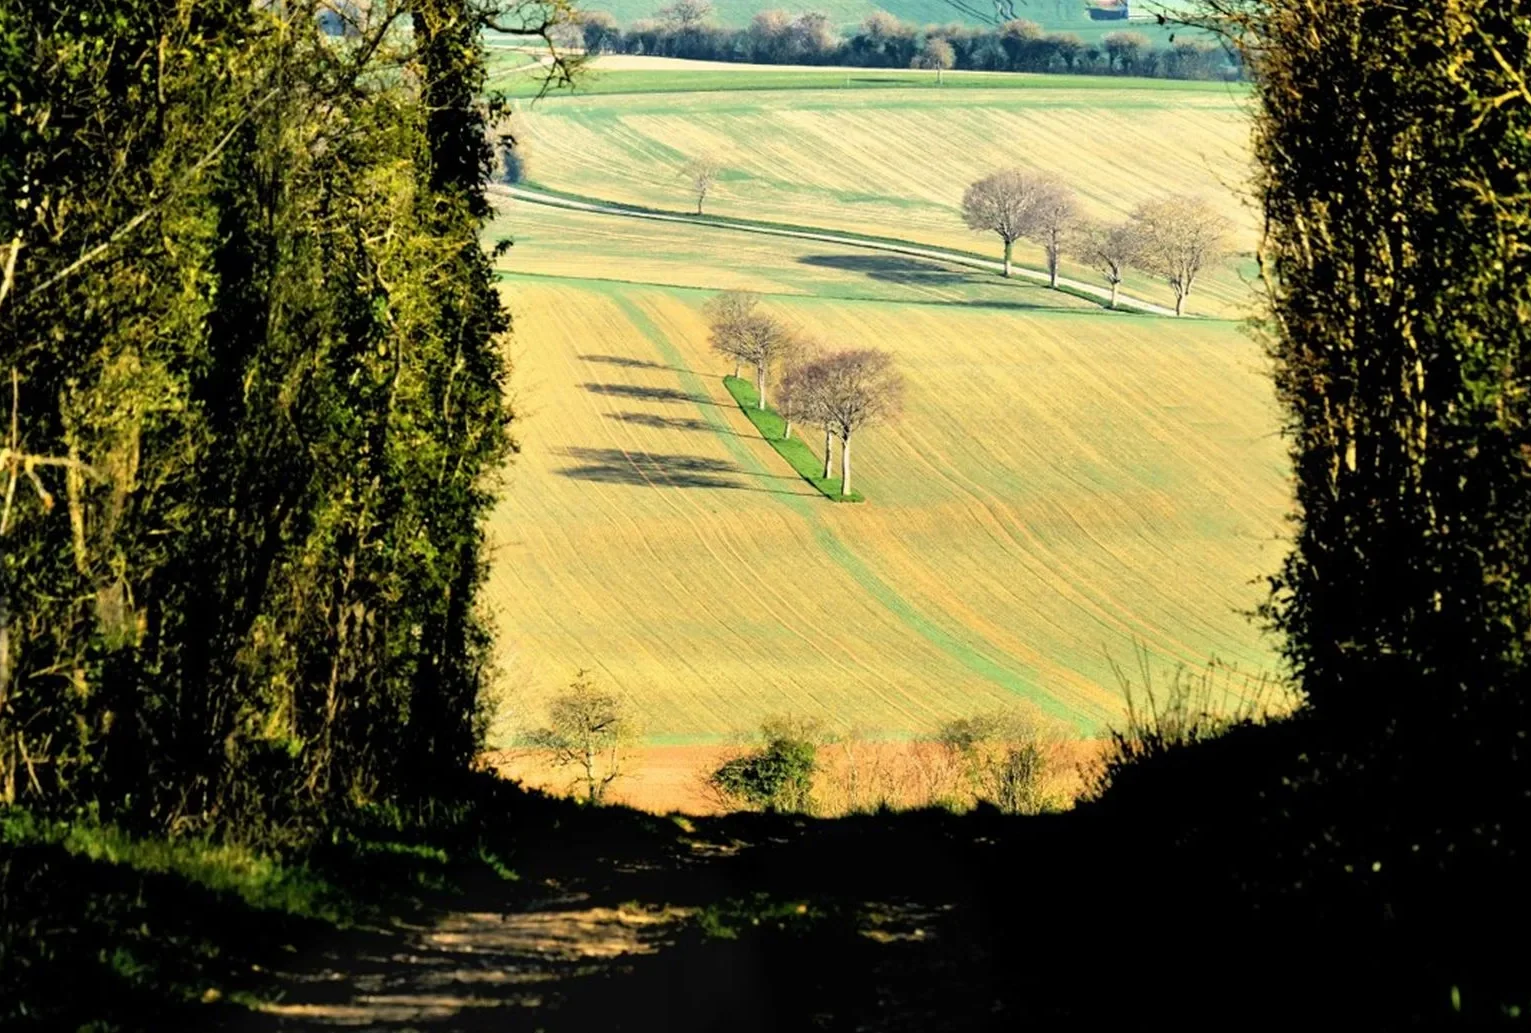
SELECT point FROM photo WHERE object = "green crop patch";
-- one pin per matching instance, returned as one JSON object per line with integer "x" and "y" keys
{"x": 773, "y": 426}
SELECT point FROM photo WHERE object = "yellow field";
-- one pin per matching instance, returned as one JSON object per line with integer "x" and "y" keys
{"x": 895, "y": 162}
{"x": 1063, "y": 484}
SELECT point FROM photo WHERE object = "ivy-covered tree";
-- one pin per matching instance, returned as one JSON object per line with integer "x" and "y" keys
{"x": 253, "y": 403}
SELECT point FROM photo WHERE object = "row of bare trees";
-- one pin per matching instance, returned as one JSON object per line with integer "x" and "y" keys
{"x": 842, "y": 390}
{"x": 1174, "y": 238}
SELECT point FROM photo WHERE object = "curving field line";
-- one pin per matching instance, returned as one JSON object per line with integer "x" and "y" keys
{"x": 825, "y": 237}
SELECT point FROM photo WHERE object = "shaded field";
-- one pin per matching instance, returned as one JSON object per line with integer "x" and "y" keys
{"x": 894, "y": 162}
{"x": 1062, "y": 485}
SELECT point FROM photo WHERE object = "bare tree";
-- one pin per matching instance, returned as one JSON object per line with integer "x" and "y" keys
{"x": 702, "y": 172}
{"x": 1056, "y": 211}
{"x": 729, "y": 314}
{"x": 1109, "y": 249}
{"x": 856, "y": 389}
{"x": 765, "y": 341}
{"x": 747, "y": 335}
{"x": 796, "y": 388}
{"x": 1005, "y": 203}
{"x": 685, "y": 15}
{"x": 590, "y": 730}
{"x": 1180, "y": 237}
{"x": 937, "y": 53}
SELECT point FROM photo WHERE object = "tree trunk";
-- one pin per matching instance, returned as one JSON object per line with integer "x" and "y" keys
{"x": 1007, "y": 257}
{"x": 1114, "y": 286}
{"x": 829, "y": 452}
{"x": 845, "y": 466}
{"x": 699, "y": 198}
{"x": 738, "y": 366}
{"x": 1052, "y": 267}
{"x": 1179, "y": 303}
{"x": 760, "y": 398}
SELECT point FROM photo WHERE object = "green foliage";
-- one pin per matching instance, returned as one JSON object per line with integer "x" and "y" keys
{"x": 251, "y": 358}
{"x": 1395, "y": 148}
{"x": 726, "y": 919}
{"x": 779, "y": 775}
{"x": 808, "y": 463}
{"x": 1004, "y": 756}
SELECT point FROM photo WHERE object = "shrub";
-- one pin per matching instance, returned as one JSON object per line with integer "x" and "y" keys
{"x": 1005, "y": 757}
{"x": 778, "y": 776}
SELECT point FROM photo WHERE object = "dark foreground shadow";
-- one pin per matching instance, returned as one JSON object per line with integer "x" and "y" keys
{"x": 1265, "y": 880}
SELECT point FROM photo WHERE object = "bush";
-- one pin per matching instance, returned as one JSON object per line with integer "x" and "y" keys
{"x": 779, "y": 775}
{"x": 1005, "y": 757}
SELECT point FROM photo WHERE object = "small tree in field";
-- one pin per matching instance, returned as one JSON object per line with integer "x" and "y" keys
{"x": 747, "y": 335}
{"x": 728, "y": 315}
{"x": 856, "y": 389}
{"x": 589, "y": 730}
{"x": 1056, "y": 211}
{"x": 795, "y": 391}
{"x": 1005, "y": 203}
{"x": 1109, "y": 249}
{"x": 1180, "y": 236}
{"x": 702, "y": 172}
{"x": 937, "y": 54}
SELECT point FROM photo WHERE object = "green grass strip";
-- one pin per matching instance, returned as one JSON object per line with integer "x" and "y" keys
{"x": 772, "y": 426}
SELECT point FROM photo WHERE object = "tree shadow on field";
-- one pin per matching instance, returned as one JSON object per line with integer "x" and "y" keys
{"x": 643, "y": 393}
{"x": 916, "y": 272}
{"x": 658, "y": 422}
{"x": 899, "y": 269}
{"x": 659, "y": 470}
{"x": 627, "y": 362}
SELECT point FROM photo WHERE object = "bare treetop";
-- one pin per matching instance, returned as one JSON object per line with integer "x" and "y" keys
{"x": 1180, "y": 236}
{"x": 1109, "y": 248}
{"x": 686, "y": 14}
{"x": 702, "y": 172}
{"x": 744, "y": 333}
{"x": 851, "y": 390}
{"x": 1055, "y": 214}
{"x": 1005, "y": 203}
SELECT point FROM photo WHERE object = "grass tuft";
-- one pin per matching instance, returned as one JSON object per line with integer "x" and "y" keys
{"x": 803, "y": 459}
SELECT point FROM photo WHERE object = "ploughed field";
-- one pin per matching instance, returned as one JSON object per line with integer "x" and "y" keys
{"x": 1066, "y": 481}
{"x": 812, "y": 147}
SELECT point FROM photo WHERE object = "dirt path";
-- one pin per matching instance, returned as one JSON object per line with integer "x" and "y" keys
{"x": 686, "y": 934}
{"x": 914, "y": 250}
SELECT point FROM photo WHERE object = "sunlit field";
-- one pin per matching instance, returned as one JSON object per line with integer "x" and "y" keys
{"x": 1064, "y": 484}
{"x": 894, "y": 161}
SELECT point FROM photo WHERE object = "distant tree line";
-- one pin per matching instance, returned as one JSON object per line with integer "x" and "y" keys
{"x": 685, "y": 30}
{"x": 1173, "y": 238}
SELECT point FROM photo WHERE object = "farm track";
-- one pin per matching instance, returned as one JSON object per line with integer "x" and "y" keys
{"x": 826, "y": 237}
